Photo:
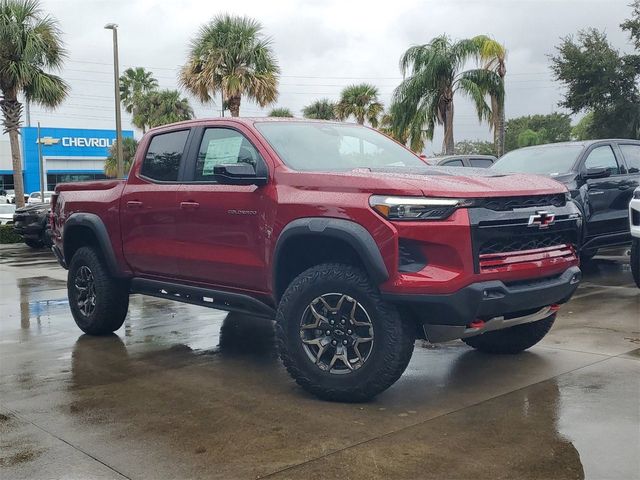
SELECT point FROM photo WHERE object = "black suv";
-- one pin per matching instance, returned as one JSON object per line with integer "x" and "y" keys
{"x": 601, "y": 176}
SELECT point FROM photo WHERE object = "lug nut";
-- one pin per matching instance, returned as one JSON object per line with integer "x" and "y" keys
{"x": 332, "y": 322}
{"x": 342, "y": 321}
{"x": 334, "y": 343}
{"x": 328, "y": 332}
{"x": 344, "y": 342}
{"x": 349, "y": 332}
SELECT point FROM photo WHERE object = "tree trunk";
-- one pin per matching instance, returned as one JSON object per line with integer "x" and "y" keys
{"x": 499, "y": 131}
{"x": 18, "y": 184}
{"x": 233, "y": 102}
{"x": 447, "y": 143}
{"x": 11, "y": 118}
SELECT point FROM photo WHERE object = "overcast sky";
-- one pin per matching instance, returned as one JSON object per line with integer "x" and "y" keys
{"x": 321, "y": 45}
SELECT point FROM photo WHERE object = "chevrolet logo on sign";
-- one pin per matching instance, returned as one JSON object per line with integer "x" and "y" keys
{"x": 47, "y": 141}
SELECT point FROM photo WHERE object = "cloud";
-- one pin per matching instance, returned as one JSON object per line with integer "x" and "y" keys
{"x": 322, "y": 46}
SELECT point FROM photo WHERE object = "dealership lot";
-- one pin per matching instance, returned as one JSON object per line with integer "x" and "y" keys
{"x": 183, "y": 391}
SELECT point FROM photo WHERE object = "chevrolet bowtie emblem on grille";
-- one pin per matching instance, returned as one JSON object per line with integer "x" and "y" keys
{"x": 48, "y": 141}
{"x": 542, "y": 219}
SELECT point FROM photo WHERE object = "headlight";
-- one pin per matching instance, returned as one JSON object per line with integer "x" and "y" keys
{"x": 416, "y": 208}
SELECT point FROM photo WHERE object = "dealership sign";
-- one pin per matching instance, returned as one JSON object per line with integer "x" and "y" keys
{"x": 78, "y": 141}
{"x": 70, "y": 142}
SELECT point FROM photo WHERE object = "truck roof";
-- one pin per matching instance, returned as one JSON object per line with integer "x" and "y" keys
{"x": 245, "y": 121}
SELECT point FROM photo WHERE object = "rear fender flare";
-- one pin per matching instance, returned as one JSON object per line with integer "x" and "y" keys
{"x": 96, "y": 225}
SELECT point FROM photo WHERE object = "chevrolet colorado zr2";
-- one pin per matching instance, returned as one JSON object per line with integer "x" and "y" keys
{"x": 350, "y": 241}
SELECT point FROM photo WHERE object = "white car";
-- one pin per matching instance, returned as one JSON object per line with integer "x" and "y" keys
{"x": 6, "y": 213}
{"x": 11, "y": 196}
{"x": 634, "y": 219}
{"x": 35, "y": 197}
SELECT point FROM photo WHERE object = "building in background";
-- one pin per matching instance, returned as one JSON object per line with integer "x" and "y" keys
{"x": 69, "y": 154}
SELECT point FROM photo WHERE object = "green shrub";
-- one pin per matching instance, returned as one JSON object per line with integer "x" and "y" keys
{"x": 9, "y": 235}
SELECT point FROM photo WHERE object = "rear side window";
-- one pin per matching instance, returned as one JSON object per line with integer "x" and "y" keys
{"x": 602, "y": 157}
{"x": 453, "y": 163}
{"x": 162, "y": 161}
{"x": 481, "y": 162}
{"x": 632, "y": 156}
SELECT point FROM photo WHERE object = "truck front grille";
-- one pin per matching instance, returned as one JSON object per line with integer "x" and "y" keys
{"x": 503, "y": 204}
{"x": 525, "y": 242}
{"x": 503, "y": 239}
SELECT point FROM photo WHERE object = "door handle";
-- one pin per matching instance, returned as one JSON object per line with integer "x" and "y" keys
{"x": 189, "y": 205}
{"x": 134, "y": 204}
{"x": 624, "y": 187}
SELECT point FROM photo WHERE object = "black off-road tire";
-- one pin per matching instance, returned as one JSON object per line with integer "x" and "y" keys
{"x": 512, "y": 340}
{"x": 587, "y": 255}
{"x": 111, "y": 301}
{"x": 34, "y": 243}
{"x": 635, "y": 260}
{"x": 393, "y": 337}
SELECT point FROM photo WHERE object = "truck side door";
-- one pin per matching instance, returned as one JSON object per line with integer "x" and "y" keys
{"x": 608, "y": 215}
{"x": 149, "y": 207}
{"x": 221, "y": 229}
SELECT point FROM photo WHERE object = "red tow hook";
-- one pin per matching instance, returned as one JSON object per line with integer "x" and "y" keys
{"x": 554, "y": 308}
{"x": 477, "y": 324}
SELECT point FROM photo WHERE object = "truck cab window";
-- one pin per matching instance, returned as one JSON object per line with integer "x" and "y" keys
{"x": 223, "y": 146}
{"x": 632, "y": 156}
{"x": 162, "y": 160}
{"x": 602, "y": 157}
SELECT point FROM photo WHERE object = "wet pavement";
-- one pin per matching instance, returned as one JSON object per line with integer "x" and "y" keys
{"x": 187, "y": 392}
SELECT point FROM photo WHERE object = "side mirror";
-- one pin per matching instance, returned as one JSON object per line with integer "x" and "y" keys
{"x": 596, "y": 172}
{"x": 238, "y": 174}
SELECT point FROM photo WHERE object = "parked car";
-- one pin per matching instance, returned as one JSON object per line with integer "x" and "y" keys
{"x": 634, "y": 222}
{"x": 3, "y": 196}
{"x": 6, "y": 213}
{"x": 32, "y": 222}
{"x": 601, "y": 176}
{"x": 345, "y": 237}
{"x": 11, "y": 196}
{"x": 476, "y": 161}
{"x": 36, "y": 197}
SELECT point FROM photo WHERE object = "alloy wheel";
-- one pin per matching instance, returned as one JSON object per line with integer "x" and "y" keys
{"x": 86, "y": 289}
{"x": 337, "y": 333}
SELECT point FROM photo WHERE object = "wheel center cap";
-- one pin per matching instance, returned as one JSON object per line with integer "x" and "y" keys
{"x": 338, "y": 332}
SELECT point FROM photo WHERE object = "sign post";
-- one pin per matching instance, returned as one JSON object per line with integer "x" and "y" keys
{"x": 41, "y": 166}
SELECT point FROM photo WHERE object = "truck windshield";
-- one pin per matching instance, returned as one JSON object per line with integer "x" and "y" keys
{"x": 546, "y": 160}
{"x": 332, "y": 147}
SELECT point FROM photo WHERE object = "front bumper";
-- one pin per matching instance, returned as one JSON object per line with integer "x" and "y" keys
{"x": 634, "y": 217}
{"x": 487, "y": 301}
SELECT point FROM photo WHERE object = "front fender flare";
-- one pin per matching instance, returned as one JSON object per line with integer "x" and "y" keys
{"x": 352, "y": 233}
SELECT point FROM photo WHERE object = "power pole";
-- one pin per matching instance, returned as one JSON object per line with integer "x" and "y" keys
{"x": 27, "y": 112}
{"x": 116, "y": 85}
{"x": 41, "y": 164}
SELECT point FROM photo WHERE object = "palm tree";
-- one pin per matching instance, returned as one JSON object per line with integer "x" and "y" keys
{"x": 230, "y": 56}
{"x": 160, "y": 108}
{"x": 129, "y": 146}
{"x": 386, "y": 127}
{"x": 30, "y": 44}
{"x": 432, "y": 75}
{"x": 493, "y": 56}
{"x": 281, "y": 112}
{"x": 135, "y": 83}
{"x": 362, "y": 102}
{"x": 320, "y": 110}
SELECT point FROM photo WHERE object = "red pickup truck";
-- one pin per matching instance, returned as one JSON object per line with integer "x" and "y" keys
{"x": 350, "y": 241}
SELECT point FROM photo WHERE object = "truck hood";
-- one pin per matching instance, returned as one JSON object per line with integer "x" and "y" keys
{"x": 458, "y": 182}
